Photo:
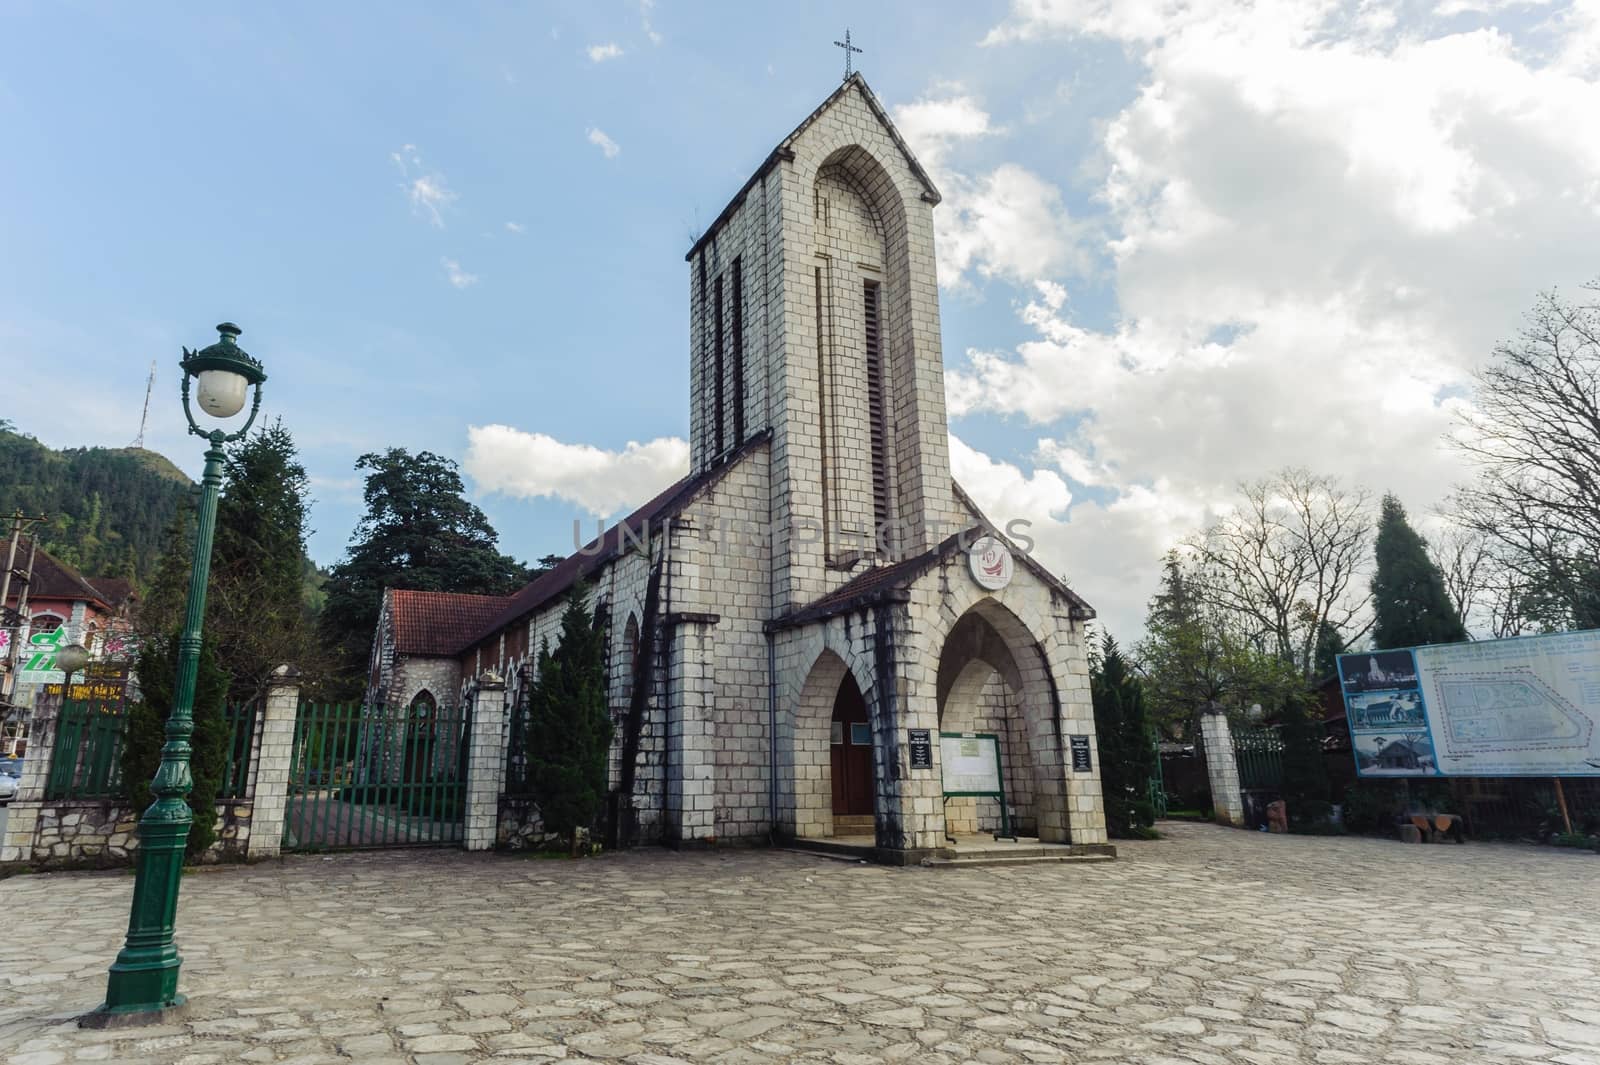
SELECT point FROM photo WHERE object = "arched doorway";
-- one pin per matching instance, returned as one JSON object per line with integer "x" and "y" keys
{"x": 850, "y": 761}
{"x": 993, "y": 681}
{"x": 420, "y": 723}
{"x": 828, "y": 764}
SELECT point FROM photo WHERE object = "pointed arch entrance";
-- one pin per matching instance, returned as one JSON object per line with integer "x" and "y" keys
{"x": 832, "y": 757}
{"x": 993, "y": 680}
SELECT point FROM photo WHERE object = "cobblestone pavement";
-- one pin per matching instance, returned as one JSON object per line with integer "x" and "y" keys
{"x": 1211, "y": 946}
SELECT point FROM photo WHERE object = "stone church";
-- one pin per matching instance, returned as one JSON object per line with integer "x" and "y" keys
{"x": 793, "y": 625}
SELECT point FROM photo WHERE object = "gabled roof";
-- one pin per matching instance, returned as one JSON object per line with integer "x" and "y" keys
{"x": 52, "y": 578}
{"x": 785, "y": 151}
{"x": 892, "y": 583}
{"x": 114, "y": 590}
{"x": 1080, "y": 609}
{"x": 471, "y": 625}
{"x": 438, "y": 623}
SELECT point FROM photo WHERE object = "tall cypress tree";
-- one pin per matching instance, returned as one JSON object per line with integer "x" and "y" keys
{"x": 1126, "y": 743}
{"x": 256, "y": 612}
{"x": 1409, "y": 598}
{"x": 569, "y": 728}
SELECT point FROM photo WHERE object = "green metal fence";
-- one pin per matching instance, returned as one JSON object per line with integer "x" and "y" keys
{"x": 376, "y": 776}
{"x": 241, "y": 731}
{"x": 1259, "y": 753}
{"x": 86, "y": 762}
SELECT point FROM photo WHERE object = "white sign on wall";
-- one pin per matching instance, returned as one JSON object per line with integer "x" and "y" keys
{"x": 1528, "y": 706}
{"x": 969, "y": 764}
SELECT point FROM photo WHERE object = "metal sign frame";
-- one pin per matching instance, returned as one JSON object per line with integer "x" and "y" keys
{"x": 1000, "y": 778}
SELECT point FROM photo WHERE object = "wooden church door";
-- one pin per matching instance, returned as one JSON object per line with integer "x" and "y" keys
{"x": 851, "y": 752}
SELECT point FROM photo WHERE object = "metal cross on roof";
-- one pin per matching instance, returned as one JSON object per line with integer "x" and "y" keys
{"x": 848, "y": 48}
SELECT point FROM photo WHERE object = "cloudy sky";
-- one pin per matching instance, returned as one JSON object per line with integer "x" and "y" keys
{"x": 1182, "y": 244}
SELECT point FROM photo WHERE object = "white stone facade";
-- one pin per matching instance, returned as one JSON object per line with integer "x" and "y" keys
{"x": 817, "y": 543}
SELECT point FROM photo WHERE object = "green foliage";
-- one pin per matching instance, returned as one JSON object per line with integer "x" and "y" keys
{"x": 157, "y": 669}
{"x": 255, "y": 610}
{"x": 256, "y": 616}
{"x": 107, "y": 508}
{"x": 1192, "y": 658}
{"x": 418, "y": 532}
{"x": 1410, "y": 602}
{"x": 1126, "y": 743}
{"x": 1330, "y": 645}
{"x": 1305, "y": 766}
{"x": 569, "y": 728}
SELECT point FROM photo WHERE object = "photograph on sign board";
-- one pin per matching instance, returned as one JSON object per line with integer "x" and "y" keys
{"x": 1378, "y": 671}
{"x": 1395, "y": 754}
{"x": 1388, "y": 710}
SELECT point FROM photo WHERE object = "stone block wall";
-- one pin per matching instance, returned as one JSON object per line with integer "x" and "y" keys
{"x": 105, "y": 832}
{"x": 43, "y": 833}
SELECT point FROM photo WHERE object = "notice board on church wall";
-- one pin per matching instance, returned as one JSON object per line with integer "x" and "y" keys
{"x": 1527, "y": 706}
{"x": 970, "y": 763}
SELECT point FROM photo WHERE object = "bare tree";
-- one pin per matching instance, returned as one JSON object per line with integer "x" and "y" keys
{"x": 1289, "y": 558}
{"x": 1463, "y": 556}
{"x": 1534, "y": 435}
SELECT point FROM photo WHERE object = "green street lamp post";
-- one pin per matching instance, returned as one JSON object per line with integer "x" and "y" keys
{"x": 144, "y": 979}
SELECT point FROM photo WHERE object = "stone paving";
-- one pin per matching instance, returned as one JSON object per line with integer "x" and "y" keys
{"x": 1211, "y": 946}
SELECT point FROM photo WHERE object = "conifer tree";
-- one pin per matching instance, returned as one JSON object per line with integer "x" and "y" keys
{"x": 1305, "y": 766}
{"x": 420, "y": 532}
{"x": 255, "y": 612}
{"x": 1330, "y": 645}
{"x": 1410, "y": 602}
{"x": 569, "y": 728}
{"x": 1126, "y": 743}
{"x": 160, "y": 619}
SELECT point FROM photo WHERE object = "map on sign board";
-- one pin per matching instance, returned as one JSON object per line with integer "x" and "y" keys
{"x": 970, "y": 763}
{"x": 1527, "y": 706}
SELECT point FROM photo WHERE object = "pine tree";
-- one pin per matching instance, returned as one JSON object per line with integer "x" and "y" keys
{"x": 255, "y": 610}
{"x": 1126, "y": 744}
{"x": 157, "y": 670}
{"x": 1410, "y": 602}
{"x": 1330, "y": 645}
{"x": 569, "y": 728}
{"x": 418, "y": 532}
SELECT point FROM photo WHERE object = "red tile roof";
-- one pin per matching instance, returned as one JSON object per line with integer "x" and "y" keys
{"x": 52, "y": 578}
{"x": 114, "y": 590}
{"x": 439, "y": 623}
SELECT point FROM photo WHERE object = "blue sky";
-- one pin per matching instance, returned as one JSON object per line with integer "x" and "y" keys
{"x": 1176, "y": 236}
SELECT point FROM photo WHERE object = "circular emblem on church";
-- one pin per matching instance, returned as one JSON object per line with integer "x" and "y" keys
{"x": 991, "y": 563}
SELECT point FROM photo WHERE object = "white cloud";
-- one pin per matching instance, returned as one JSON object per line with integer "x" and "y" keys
{"x": 1320, "y": 223}
{"x": 603, "y": 483}
{"x": 514, "y": 227}
{"x": 1008, "y": 223}
{"x": 931, "y": 125}
{"x": 646, "y": 7}
{"x": 599, "y": 53}
{"x": 609, "y": 147}
{"x": 457, "y": 276}
{"x": 427, "y": 193}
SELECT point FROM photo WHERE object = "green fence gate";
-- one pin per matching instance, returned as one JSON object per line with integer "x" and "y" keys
{"x": 86, "y": 762}
{"x": 1259, "y": 754}
{"x": 376, "y": 776}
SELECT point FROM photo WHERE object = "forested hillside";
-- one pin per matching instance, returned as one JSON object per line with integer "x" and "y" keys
{"x": 108, "y": 508}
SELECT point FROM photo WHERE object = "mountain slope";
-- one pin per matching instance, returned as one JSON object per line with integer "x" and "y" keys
{"x": 108, "y": 507}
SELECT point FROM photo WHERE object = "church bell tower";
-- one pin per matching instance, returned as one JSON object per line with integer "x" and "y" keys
{"x": 814, "y": 316}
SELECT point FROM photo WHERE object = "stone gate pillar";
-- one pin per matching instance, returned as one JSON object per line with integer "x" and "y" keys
{"x": 269, "y": 769}
{"x": 486, "y": 762}
{"x": 1222, "y": 768}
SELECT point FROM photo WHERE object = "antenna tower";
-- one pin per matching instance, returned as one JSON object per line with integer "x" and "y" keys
{"x": 144, "y": 418}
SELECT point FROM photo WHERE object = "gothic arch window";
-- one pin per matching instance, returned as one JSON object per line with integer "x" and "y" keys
{"x": 45, "y": 623}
